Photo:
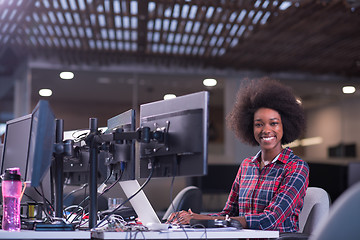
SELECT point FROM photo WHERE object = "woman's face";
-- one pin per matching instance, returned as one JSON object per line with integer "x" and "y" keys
{"x": 268, "y": 128}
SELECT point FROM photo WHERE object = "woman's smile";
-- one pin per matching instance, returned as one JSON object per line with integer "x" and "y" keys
{"x": 267, "y": 139}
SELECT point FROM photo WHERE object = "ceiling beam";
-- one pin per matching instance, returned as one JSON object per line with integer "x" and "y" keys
{"x": 142, "y": 25}
{"x": 188, "y": 71}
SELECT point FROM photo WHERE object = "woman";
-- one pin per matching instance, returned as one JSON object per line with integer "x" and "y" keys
{"x": 269, "y": 188}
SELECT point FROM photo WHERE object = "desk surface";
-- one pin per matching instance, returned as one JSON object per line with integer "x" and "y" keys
{"x": 169, "y": 234}
{"x": 31, "y": 234}
{"x": 188, "y": 234}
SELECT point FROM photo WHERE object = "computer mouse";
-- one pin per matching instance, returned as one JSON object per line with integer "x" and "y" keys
{"x": 234, "y": 223}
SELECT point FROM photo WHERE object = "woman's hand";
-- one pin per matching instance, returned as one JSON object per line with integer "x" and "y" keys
{"x": 184, "y": 217}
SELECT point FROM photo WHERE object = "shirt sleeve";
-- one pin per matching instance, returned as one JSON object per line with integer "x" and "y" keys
{"x": 288, "y": 199}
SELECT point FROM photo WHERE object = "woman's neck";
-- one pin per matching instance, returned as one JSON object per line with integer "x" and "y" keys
{"x": 269, "y": 155}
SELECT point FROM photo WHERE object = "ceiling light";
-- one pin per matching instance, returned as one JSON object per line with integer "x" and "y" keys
{"x": 305, "y": 142}
{"x": 45, "y": 92}
{"x": 348, "y": 89}
{"x": 169, "y": 96}
{"x": 311, "y": 141}
{"x": 293, "y": 144}
{"x": 66, "y": 75}
{"x": 209, "y": 82}
{"x": 299, "y": 101}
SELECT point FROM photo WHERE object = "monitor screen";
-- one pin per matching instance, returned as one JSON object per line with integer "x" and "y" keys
{"x": 42, "y": 139}
{"x": 184, "y": 122}
{"x": 16, "y": 146}
{"x": 122, "y": 159}
{"x": 29, "y": 143}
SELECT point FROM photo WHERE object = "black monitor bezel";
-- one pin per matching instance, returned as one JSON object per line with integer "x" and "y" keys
{"x": 40, "y": 143}
{"x": 42, "y": 139}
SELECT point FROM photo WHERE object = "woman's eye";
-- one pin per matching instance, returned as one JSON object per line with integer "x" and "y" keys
{"x": 274, "y": 123}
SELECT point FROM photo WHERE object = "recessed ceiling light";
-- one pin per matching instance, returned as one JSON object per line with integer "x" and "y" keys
{"x": 67, "y": 75}
{"x": 45, "y": 92}
{"x": 299, "y": 101}
{"x": 169, "y": 96}
{"x": 348, "y": 89}
{"x": 209, "y": 82}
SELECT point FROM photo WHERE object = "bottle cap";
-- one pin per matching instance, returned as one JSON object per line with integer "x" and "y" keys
{"x": 12, "y": 174}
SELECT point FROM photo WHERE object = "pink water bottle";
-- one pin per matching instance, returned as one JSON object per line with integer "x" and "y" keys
{"x": 11, "y": 191}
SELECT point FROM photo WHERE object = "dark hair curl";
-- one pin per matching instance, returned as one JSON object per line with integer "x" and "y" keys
{"x": 265, "y": 93}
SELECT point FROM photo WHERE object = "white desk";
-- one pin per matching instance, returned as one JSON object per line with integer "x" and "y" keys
{"x": 171, "y": 234}
{"x": 31, "y": 234}
{"x": 189, "y": 234}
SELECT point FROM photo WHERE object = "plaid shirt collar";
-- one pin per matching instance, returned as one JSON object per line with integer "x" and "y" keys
{"x": 282, "y": 156}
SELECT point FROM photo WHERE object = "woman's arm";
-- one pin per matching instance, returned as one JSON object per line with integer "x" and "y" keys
{"x": 184, "y": 217}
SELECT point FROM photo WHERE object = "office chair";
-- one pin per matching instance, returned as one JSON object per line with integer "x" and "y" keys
{"x": 189, "y": 197}
{"x": 343, "y": 220}
{"x": 315, "y": 209}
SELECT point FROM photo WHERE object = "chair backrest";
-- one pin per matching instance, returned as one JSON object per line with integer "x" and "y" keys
{"x": 189, "y": 197}
{"x": 315, "y": 209}
{"x": 343, "y": 219}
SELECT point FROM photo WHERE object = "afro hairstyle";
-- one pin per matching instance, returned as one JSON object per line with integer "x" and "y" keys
{"x": 265, "y": 93}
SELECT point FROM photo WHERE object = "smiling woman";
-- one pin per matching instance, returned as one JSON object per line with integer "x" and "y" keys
{"x": 266, "y": 93}
{"x": 269, "y": 188}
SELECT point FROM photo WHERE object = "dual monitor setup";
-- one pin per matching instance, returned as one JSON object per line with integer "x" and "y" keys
{"x": 172, "y": 137}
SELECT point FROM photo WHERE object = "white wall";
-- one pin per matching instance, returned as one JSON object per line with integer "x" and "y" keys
{"x": 235, "y": 151}
{"x": 336, "y": 123}
{"x": 326, "y": 123}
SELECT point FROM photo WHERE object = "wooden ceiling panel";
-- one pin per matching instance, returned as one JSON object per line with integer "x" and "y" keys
{"x": 270, "y": 35}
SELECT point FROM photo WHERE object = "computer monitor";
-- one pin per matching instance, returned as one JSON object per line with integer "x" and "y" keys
{"x": 29, "y": 143}
{"x": 76, "y": 167}
{"x": 16, "y": 146}
{"x": 122, "y": 160}
{"x": 42, "y": 141}
{"x": 184, "y": 122}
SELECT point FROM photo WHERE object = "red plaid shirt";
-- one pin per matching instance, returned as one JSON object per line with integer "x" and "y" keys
{"x": 271, "y": 198}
